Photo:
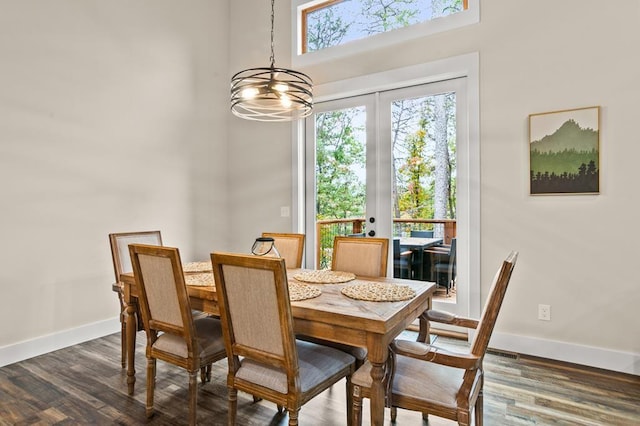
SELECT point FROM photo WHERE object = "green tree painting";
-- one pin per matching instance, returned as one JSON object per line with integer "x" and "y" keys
{"x": 564, "y": 152}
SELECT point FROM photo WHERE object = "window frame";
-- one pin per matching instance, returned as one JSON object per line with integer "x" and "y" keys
{"x": 469, "y": 16}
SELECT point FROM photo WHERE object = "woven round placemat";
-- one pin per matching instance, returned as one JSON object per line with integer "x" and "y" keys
{"x": 204, "y": 266}
{"x": 203, "y": 279}
{"x": 299, "y": 291}
{"x": 379, "y": 292}
{"x": 324, "y": 277}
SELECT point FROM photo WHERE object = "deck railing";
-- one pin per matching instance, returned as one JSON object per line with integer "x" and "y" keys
{"x": 326, "y": 230}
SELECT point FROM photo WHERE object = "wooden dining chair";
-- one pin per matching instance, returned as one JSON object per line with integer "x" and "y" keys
{"x": 173, "y": 335}
{"x": 290, "y": 247}
{"x": 362, "y": 256}
{"x": 365, "y": 257}
{"x": 433, "y": 380}
{"x": 265, "y": 359}
{"x": 122, "y": 264}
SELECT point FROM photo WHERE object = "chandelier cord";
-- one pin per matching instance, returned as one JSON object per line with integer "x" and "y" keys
{"x": 271, "y": 94}
{"x": 273, "y": 56}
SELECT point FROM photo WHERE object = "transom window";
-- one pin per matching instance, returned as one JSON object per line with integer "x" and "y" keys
{"x": 331, "y": 23}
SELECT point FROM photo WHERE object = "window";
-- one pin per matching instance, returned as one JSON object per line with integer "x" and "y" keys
{"x": 331, "y": 23}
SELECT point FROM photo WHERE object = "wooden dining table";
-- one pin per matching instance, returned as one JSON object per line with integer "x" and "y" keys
{"x": 331, "y": 316}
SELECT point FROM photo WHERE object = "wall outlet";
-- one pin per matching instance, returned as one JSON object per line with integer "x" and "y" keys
{"x": 544, "y": 312}
{"x": 285, "y": 211}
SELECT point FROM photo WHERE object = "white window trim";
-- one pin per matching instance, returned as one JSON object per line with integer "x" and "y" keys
{"x": 464, "y": 18}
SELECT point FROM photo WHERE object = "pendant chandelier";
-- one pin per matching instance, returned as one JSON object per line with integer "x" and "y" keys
{"x": 271, "y": 94}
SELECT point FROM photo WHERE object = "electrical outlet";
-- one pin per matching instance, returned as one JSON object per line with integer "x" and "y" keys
{"x": 544, "y": 312}
{"x": 285, "y": 211}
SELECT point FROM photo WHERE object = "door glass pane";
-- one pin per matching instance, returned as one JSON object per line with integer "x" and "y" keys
{"x": 340, "y": 173}
{"x": 423, "y": 134}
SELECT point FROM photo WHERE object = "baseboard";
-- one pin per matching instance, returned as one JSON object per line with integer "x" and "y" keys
{"x": 624, "y": 362}
{"x": 52, "y": 342}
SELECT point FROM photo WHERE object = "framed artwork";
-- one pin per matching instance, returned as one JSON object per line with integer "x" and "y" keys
{"x": 564, "y": 151}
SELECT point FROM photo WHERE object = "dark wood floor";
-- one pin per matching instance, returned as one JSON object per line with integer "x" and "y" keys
{"x": 84, "y": 384}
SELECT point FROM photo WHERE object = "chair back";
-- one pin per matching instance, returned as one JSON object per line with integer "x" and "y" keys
{"x": 396, "y": 248}
{"x": 163, "y": 299}
{"x": 255, "y": 311}
{"x": 290, "y": 247}
{"x": 452, "y": 257}
{"x": 120, "y": 248}
{"x": 422, "y": 234}
{"x": 362, "y": 256}
{"x": 492, "y": 306}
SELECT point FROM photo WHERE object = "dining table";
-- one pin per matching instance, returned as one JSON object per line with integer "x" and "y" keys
{"x": 331, "y": 316}
{"x": 417, "y": 245}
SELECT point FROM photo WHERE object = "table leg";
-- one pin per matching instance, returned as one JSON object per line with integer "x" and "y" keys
{"x": 132, "y": 328}
{"x": 377, "y": 393}
{"x": 423, "y": 333}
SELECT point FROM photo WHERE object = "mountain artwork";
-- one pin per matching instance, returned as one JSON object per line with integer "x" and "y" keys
{"x": 564, "y": 152}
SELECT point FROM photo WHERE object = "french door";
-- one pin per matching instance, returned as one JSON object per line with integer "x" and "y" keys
{"x": 370, "y": 156}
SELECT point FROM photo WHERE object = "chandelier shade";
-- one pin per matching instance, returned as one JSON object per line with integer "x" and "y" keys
{"x": 271, "y": 93}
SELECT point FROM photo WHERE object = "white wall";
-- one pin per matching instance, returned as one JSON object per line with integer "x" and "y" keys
{"x": 576, "y": 252}
{"x": 113, "y": 118}
{"x": 260, "y": 167}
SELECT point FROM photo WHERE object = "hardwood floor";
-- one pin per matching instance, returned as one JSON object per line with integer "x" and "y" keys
{"x": 84, "y": 384}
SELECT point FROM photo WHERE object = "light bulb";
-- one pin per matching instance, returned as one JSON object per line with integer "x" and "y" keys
{"x": 249, "y": 93}
{"x": 285, "y": 101}
{"x": 281, "y": 87}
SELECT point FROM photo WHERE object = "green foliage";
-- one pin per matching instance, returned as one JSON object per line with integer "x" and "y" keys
{"x": 325, "y": 29}
{"x": 415, "y": 200}
{"x": 340, "y": 191}
{"x": 384, "y": 16}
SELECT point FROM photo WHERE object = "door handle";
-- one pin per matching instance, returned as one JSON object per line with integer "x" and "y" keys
{"x": 372, "y": 233}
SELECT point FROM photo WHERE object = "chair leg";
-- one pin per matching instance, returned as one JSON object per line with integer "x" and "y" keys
{"x": 151, "y": 385}
{"x": 193, "y": 396}
{"x": 394, "y": 414}
{"x": 293, "y": 417}
{"x": 205, "y": 373}
{"x": 479, "y": 409}
{"x": 123, "y": 339}
{"x": 356, "y": 410}
{"x": 349, "y": 401}
{"x": 233, "y": 406}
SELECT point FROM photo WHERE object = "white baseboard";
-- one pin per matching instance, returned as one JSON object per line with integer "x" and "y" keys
{"x": 624, "y": 362}
{"x": 52, "y": 342}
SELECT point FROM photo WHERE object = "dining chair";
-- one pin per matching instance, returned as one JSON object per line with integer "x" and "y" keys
{"x": 173, "y": 335}
{"x": 401, "y": 260}
{"x": 290, "y": 247}
{"x": 265, "y": 359}
{"x": 444, "y": 266}
{"x": 421, "y": 234}
{"x": 433, "y": 380}
{"x": 365, "y": 257}
{"x": 122, "y": 264}
{"x": 362, "y": 256}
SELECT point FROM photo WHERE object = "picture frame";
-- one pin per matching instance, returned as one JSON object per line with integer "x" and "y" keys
{"x": 564, "y": 151}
